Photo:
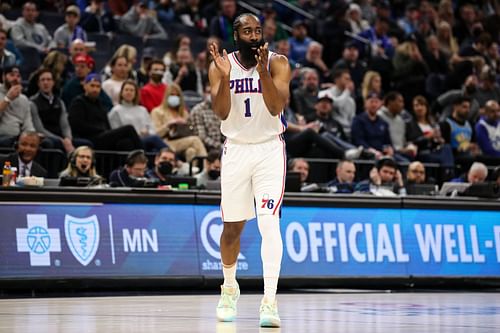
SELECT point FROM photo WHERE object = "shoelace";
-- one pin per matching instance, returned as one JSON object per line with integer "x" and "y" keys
{"x": 268, "y": 308}
{"x": 227, "y": 301}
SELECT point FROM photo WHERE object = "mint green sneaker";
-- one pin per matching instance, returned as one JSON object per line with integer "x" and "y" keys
{"x": 226, "y": 309}
{"x": 269, "y": 316}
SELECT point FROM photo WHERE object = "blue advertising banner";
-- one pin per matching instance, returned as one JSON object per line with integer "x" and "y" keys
{"x": 68, "y": 240}
{"x": 79, "y": 240}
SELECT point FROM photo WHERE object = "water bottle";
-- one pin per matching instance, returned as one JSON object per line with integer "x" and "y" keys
{"x": 6, "y": 174}
{"x": 13, "y": 176}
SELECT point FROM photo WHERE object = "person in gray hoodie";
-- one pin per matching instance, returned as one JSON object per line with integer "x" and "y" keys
{"x": 27, "y": 33}
{"x": 138, "y": 22}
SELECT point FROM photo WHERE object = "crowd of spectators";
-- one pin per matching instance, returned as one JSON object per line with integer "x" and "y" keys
{"x": 397, "y": 84}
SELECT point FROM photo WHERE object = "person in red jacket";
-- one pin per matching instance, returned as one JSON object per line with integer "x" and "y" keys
{"x": 152, "y": 93}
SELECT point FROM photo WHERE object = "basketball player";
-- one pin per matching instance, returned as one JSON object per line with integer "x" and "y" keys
{"x": 249, "y": 90}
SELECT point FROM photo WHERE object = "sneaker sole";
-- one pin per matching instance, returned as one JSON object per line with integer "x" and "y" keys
{"x": 269, "y": 322}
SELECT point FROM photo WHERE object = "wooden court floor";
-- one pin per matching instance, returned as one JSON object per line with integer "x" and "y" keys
{"x": 334, "y": 311}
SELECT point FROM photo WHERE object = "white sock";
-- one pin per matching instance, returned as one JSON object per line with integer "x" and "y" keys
{"x": 229, "y": 272}
{"x": 271, "y": 251}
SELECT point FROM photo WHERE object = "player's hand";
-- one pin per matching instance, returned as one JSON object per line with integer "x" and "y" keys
{"x": 262, "y": 58}
{"x": 221, "y": 61}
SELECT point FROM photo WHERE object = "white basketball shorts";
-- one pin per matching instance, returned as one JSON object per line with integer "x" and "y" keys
{"x": 252, "y": 178}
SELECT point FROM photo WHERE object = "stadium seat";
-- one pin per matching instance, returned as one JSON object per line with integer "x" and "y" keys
{"x": 31, "y": 61}
{"x": 102, "y": 42}
{"x": 51, "y": 21}
{"x": 160, "y": 46}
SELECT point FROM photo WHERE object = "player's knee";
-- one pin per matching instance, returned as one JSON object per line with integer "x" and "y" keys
{"x": 231, "y": 232}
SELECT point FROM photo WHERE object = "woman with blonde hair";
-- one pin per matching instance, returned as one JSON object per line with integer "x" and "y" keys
{"x": 372, "y": 83}
{"x": 171, "y": 121}
{"x": 447, "y": 43}
{"x": 127, "y": 51}
{"x": 81, "y": 164}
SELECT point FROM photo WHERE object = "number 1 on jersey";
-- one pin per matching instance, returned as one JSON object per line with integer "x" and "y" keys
{"x": 247, "y": 108}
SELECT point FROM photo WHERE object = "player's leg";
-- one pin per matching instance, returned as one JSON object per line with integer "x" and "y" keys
{"x": 268, "y": 182}
{"x": 236, "y": 207}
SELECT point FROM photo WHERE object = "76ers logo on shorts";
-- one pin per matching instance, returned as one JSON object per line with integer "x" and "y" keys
{"x": 266, "y": 202}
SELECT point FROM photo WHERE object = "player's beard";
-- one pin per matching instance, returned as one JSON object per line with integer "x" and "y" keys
{"x": 246, "y": 52}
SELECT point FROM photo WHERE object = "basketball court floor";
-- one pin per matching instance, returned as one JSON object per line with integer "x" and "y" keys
{"x": 327, "y": 311}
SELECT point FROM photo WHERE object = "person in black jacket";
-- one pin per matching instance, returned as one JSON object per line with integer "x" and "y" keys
{"x": 89, "y": 120}
{"x": 27, "y": 148}
{"x": 132, "y": 174}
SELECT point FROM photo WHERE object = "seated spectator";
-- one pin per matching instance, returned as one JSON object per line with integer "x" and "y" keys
{"x": 23, "y": 158}
{"x": 166, "y": 165}
{"x": 331, "y": 129}
{"x": 357, "y": 67}
{"x": 89, "y": 120}
{"x": 84, "y": 65}
{"x": 184, "y": 72}
{"x": 299, "y": 42}
{"x": 301, "y": 166}
{"x": 206, "y": 124}
{"x": 7, "y": 58}
{"x": 50, "y": 117}
{"x": 458, "y": 132}
{"x": 306, "y": 96}
{"x": 314, "y": 60}
{"x": 341, "y": 92}
{"x": 14, "y": 107}
{"x": 371, "y": 131}
{"x": 488, "y": 130}
{"x": 132, "y": 174}
{"x": 129, "y": 112}
{"x": 97, "y": 18}
{"x": 130, "y": 53}
{"x": 355, "y": 19}
{"x": 344, "y": 177}
{"x": 119, "y": 73}
{"x": 488, "y": 87}
{"x": 426, "y": 135}
{"x": 445, "y": 103}
{"x": 379, "y": 41}
{"x": 140, "y": 23}
{"x": 392, "y": 113}
{"x": 70, "y": 30}
{"x": 55, "y": 61}
{"x": 81, "y": 164}
{"x": 477, "y": 173}
{"x": 153, "y": 92}
{"x": 372, "y": 83}
{"x": 410, "y": 69}
{"x": 385, "y": 179}
{"x": 190, "y": 15}
{"x": 221, "y": 25}
{"x": 26, "y": 32}
{"x": 171, "y": 123}
{"x": 211, "y": 169}
{"x": 416, "y": 174}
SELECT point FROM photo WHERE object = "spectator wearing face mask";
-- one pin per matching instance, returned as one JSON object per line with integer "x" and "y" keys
{"x": 211, "y": 171}
{"x": 171, "y": 121}
{"x": 166, "y": 165}
{"x": 152, "y": 93}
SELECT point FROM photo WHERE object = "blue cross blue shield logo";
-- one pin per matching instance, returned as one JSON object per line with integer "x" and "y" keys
{"x": 82, "y": 236}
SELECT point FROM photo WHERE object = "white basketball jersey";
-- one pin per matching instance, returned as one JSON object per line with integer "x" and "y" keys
{"x": 249, "y": 120}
